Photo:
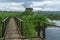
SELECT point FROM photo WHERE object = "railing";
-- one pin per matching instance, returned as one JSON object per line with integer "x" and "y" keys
{"x": 4, "y": 25}
{"x": 19, "y": 24}
{"x": 0, "y": 29}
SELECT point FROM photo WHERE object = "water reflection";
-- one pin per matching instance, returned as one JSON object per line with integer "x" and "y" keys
{"x": 53, "y": 33}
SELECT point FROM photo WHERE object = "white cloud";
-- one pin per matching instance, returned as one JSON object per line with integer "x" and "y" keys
{"x": 47, "y": 5}
{"x": 12, "y": 6}
{"x": 37, "y": 9}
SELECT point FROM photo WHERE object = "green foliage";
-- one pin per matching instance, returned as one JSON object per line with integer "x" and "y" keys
{"x": 29, "y": 29}
{"x": 54, "y": 16}
{"x": 26, "y": 12}
{"x": 30, "y": 22}
{"x": 3, "y": 15}
{"x": 35, "y": 18}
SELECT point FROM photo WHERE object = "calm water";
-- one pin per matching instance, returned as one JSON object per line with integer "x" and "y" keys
{"x": 53, "y": 33}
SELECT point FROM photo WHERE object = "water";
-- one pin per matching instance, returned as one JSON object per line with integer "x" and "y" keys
{"x": 53, "y": 33}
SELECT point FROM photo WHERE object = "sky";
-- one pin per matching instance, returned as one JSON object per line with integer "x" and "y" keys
{"x": 37, "y": 5}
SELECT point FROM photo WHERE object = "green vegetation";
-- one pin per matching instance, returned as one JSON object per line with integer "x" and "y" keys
{"x": 54, "y": 16}
{"x": 30, "y": 21}
{"x": 3, "y": 15}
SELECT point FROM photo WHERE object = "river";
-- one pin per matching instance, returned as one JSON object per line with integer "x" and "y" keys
{"x": 53, "y": 33}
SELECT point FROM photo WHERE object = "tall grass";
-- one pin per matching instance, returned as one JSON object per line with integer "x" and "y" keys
{"x": 3, "y": 15}
{"x": 30, "y": 22}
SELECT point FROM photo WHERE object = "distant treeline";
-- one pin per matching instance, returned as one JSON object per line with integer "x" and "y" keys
{"x": 54, "y": 16}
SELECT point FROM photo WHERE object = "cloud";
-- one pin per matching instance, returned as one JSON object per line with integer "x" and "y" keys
{"x": 19, "y": 0}
{"x": 37, "y": 5}
{"x": 37, "y": 9}
{"x": 12, "y": 6}
{"x": 47, "y": 5}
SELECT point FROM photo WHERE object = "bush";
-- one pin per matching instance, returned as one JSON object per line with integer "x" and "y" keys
{"x": 30, "y": 22}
